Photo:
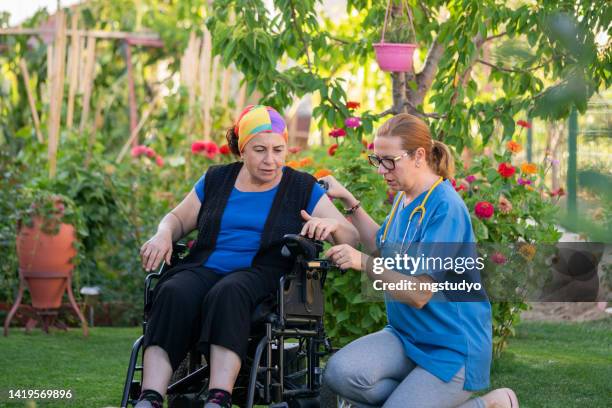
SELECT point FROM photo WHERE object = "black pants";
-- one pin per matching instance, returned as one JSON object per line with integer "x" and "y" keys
{"x": 199, "y": 307}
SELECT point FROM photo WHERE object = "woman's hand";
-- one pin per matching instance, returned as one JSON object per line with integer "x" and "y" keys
{"x": 318, "y": 228}
{"x": 158, "y": 248}
{"x": 337, "y": 190}
{"x": 346, "y": 257}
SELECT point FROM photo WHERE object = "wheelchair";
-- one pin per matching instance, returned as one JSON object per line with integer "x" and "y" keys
{"x": 286, "y": 342}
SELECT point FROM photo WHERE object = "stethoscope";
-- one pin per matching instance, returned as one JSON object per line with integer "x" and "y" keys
{"x": 420, "y": 209}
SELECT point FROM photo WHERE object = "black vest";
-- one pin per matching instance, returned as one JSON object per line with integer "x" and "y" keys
{"x": 293, "y": 195}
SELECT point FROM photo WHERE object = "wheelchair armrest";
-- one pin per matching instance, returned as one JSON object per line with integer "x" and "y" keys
{"x": 179, "y": 249}
{"x": 295, "y": 245}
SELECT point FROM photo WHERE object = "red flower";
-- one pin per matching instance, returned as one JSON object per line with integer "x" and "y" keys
{"x": 506, "y": 170}
{"x": 560, "y": 192}
{"x": 337, "y": 132}
{"x": 159, "y": 161}
{"x": 524, "y": 124}
{"x": 197, "y": 147}
{"x": 498, "y": 258}
{"x": 353, "y": 105}
{"x": 225, "y": 150}
{"x": 150, "y": 152}
{"x": 332, "y": 149}
{"x": 212, "y": 150}
{"x": 209, "y": 149}
{"x": 295, "y": 149}
{"x": 459, "y": 187}
{"x": 484, "y": 209}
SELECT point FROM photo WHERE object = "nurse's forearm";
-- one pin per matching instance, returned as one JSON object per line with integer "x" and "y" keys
{"x": 416, "y": 298}
{"x": 345, "y": 234}
{"x": 365, "y": 225}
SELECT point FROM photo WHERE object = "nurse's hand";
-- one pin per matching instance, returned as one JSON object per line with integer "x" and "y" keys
{"x": 346, "y": 257}
{"x": 318, "y": 228}
{"x": 337, "y": 190}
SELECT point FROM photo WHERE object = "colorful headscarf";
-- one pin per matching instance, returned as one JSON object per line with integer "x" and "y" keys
{"x": 256, "y": 119}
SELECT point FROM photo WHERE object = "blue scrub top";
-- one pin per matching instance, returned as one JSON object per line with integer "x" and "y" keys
{"x": 242, "y": 224}
{"x": 443, "y": 336}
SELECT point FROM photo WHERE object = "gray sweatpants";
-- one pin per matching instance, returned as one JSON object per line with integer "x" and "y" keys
{"x": 373, "y": 371}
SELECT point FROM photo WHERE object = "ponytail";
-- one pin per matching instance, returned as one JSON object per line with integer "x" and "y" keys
{"x": 442, "y": 162}
{"x": 415, "y": 134}
{"x": 232, "y": 141}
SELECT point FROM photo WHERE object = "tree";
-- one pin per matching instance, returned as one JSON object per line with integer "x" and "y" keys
{"x": 546, "y": 58}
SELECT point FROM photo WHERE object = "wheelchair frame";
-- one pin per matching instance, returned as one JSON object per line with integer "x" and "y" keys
{"x": 297, "y": 314}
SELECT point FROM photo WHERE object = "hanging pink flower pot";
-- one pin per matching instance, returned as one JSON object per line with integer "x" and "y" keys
{"x": 394, "y": 57}
{"x": 395, "y": 54}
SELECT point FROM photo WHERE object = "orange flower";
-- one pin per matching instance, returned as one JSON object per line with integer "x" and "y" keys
{"x": 513, "y": 147}
{"x": 322, "y": 173}
{"x": 529, "y": 168}
{"x": 527, "y": 251}
{"x": 294, "y": 164}
{"x": 306, "y": 161}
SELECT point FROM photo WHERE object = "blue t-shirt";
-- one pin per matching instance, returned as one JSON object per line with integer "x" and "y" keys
{"x": 444, "y": 335}
{"x": 242, "y": 224}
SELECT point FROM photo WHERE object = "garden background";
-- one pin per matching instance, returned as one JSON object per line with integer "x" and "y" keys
{"x": 118, "y": 107}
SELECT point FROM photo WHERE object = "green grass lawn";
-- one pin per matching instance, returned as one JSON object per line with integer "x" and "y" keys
{"x": 548, "y": 364}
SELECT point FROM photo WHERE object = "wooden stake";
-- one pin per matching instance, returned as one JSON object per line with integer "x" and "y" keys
{"x": 211, "y": 95}
{"x": 31, "y": 101}
{"x": 57, "y": 92}
{"x": 205, "y": 57}
{"x": 90, "y": 60}
{"x": 225, "y": 86}
{"x": 50, "y": 51}
{"x": 73, "y": 69}
{"x": 133, "y": 109}
{"x": 134, "y": 133}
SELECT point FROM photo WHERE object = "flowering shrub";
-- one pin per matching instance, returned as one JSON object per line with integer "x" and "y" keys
{"x": 511, "y": 210}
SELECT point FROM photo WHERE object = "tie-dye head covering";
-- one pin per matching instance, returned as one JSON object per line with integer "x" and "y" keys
{"x": 256, "y": 119}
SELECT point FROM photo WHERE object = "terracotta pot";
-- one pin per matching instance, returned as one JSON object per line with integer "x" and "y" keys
{"x": 393, "y": 57}
{"x": 45, "y": 262}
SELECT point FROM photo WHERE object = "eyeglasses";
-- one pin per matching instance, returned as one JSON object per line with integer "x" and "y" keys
{"x": 387, "y": 163}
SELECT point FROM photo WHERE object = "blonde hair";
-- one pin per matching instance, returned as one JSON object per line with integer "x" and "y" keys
{"x": 414, "y": 133}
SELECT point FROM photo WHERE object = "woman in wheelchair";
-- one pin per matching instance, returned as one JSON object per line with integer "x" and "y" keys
{"x": 435, "y": 351}
{"x": 241, "y": 211}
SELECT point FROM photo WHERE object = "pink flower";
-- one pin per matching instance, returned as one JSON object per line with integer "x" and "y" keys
{"x": 524, "y": 124}
{"x": 470, "y": 179}
{"x": 337, "y": 132}
{"x": 498, "y": 258}
{"x": 505, "y": 206}
{"x": 371, "y": 146}
{"x": 140, "y": 150}
{"x": 159, "y": 161}
{"x": 484, "y": 210}
{"x": 523, "y": 182}
{"x": 352, "y": 122}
